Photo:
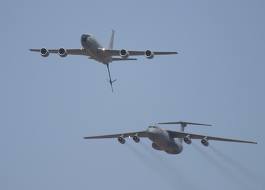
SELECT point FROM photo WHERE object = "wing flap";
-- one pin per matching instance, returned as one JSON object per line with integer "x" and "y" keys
{"x": 122, "y": 59}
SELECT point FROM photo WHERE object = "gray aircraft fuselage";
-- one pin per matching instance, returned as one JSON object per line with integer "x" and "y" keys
{"x": 95, "y": 49}
{"x": 162, "y": 141}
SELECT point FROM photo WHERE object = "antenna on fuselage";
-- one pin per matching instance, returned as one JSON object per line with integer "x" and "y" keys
{"x": 183, "y": 124}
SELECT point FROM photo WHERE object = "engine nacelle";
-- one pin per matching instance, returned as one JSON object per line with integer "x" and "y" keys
{"x": 44, "y": 52}
{"x": 187, "y": 139}
{"x": 62, "y": 52}
{"x": 149, "y": 54}
{"x": 121, "y": 140}
{"x": 136, "y": 138}
{"x": 124, "y": 53}
{"x": 155, "y": 146}
{"x": 205, "y": 142}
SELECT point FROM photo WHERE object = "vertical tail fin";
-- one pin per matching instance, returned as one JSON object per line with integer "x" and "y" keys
{"x": 111, "y": 39}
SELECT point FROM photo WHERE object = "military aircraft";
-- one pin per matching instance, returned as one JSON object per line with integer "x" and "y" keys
{"x": 167, "y": 140}
{"x": 93, "y": 50}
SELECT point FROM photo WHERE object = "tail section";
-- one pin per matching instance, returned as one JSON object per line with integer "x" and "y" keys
{"x": 111, "y": 40}
{"x": 182, "y": 124}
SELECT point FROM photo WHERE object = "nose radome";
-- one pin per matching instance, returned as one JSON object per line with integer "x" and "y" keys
{"x": 151, "y": 129}
{"x": 83, "y": 37}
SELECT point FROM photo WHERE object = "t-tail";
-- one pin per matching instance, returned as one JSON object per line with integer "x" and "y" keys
{"x": 183, "y": 124}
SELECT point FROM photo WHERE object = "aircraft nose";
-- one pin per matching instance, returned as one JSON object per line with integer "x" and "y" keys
{"x": 151, "y": 129}
{"x": 84, "y": 37}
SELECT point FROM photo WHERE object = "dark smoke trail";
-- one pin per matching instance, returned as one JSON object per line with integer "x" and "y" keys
{"x": 173, "y": 173}
{"x": 225, "y": 172}
{"x": 142, "y": 157}
{"x": 151, "y": 165}
{"x": 243, "y": 170}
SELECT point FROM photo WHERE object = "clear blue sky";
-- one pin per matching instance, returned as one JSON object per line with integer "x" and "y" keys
{"x": 48, "y": 105}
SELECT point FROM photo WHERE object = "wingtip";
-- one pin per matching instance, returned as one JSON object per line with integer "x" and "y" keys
{"x": 251, "y": 142}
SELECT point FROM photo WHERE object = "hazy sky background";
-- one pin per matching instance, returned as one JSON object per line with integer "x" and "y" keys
{"x": 49, "y": 104}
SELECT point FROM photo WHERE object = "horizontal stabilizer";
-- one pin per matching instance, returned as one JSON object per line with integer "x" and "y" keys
{"x": 183, "y": 123}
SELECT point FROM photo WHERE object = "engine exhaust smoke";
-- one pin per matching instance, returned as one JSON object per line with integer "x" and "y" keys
{"x": 151, "y": 164}
{"x": 170, "y": 171}
{"x": 222, "y": 169}
{"x": 236, "y": 165}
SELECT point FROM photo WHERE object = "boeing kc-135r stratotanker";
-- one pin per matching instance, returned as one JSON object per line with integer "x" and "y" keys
{"x": 93, "y": 50}
{"x": 167, "y": 140}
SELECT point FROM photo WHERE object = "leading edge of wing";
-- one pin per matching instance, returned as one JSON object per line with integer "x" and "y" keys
{"x": 130, "y": 134}
{"x": 35, "y": 50}
{"x": 176, "y": 134}
{"x": 165, "y": 52}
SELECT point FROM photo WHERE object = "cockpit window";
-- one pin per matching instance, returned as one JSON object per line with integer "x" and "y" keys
{"x": 84, "y": 37}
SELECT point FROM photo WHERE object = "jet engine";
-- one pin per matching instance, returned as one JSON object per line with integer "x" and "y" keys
{"x": 62, "y": 52}
{"x": 187, "y": 139}
{"x": 155, "y": 146}
{"x": 124, "y": 53}
{"x": 149, "y": 54}
{"x": 44, "y": 52}
{"x": 121, "y": 139}
{"x": 136, "y": 138}
{"x": 205, "y": 142}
